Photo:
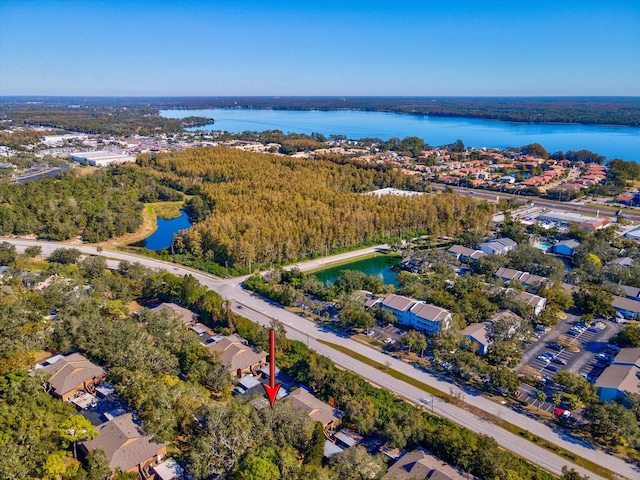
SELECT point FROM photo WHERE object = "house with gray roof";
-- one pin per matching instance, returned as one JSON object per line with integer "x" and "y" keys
{"x": 621, "y": 377}
{"x": 629, "y": 309}
{"x": 418, "y": 314}
{"x": 419, "y": 464}
{"x": 126, "y": 447}
{"x": 566, "y": 247}
{"x": 499, "y": 246}
{"x": 479, "y": 335}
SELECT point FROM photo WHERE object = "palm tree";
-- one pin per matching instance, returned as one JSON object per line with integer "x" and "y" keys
{"x": 541, "y": 397}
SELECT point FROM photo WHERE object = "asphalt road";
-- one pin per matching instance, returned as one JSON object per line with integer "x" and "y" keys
{"x": 539, "y": 202}
{"x": 303, "y": 330}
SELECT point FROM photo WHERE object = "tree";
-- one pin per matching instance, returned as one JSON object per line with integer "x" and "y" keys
{"x": 594, "y": 299}
{"x": 94, "y": 266}
{"x": 33, "y": 251}
{"x": 504, "y": 379}
{"x": 611, "y": 423}
{"x": 556, "y": 400}
{"x": 315, "y": 450}
{"x": 572, "y": 474}
{"x": 7, "y": 253}
{"x": 97, "y": 465}
{"x": 356, "y": 464}
{"x": 541, "y": 397}
{"x": 414, "y": 339}
{"x": 65, "y": 255}
{"x": 77, "y": 429}
{"x": 257, "y": 466}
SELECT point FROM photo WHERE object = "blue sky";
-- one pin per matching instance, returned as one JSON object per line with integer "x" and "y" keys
{"x": 347, "y": 47}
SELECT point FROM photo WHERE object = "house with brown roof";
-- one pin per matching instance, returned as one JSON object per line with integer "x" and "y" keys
{"x": 419, "y": 464}
{"x": 71, "y": 375}
{"x": 525, "y": 278}
{"x": 237, "y": 354}
{"x": 126, "y": 447}
{"x": 622, "y": 377}
{"x": 316, "y": 409}
{"x": 184, "y": 314}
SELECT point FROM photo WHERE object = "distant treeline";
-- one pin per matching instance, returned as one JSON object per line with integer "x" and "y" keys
{"x": 95, "y": 118}
{"x": 585, "y": 110}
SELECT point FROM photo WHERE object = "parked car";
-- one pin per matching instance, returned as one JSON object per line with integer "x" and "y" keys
{"x": 553, "y": 368}
{"x": 559, "y": 361}
{"x": 542, "y": 358}
{"x": 555, "y": 346}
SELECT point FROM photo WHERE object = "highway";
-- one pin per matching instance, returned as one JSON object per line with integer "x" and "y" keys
{"x": 539, "y": 202}
{"x": 262, "y": 312}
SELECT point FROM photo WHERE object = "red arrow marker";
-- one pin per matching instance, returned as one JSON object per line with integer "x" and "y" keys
{"x": 272, "y": 389}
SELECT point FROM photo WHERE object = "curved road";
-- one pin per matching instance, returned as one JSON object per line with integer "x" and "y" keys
{"x": 263, "y": 312}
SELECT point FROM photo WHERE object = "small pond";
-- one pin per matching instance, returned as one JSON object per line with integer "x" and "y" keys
{"x": 379, "y": 265}
{"x": 163, "y": 236}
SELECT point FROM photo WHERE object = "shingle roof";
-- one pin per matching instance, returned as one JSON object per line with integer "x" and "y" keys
{"x": 314, "y": 408}
{"x": 124, "y": 444}
{"x": 420, "y": 464}
{"x": 235, "y": 353}
{"x": 628, "y": 356}
{"x": 625, "y": 304}
{"x": 70, "y": 371}
{"x": 429, "y": 312}
{"x": 620, "y": 377}
{"x": 186, "y": 315}
{"x": 398, "y": 302}
{"x": 479, "y": 332}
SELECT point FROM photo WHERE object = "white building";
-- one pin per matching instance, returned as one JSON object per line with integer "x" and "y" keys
{"x": 101, "y": 159}
{"x": 419, "y": 315}
{"x": 53, "y": 140}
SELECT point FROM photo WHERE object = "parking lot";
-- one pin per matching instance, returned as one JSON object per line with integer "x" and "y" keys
{"x": 548, "y": 357}
{"x": 389, "y": 335}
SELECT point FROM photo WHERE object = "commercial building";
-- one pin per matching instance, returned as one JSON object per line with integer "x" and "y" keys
{"x": 101, "y": 159}
{"x": 565, "y": 218}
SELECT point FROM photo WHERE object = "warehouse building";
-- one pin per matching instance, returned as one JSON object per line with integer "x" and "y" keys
{"x": 101, "y": 159}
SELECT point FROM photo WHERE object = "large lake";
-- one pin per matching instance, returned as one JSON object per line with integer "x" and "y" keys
{"x": 610, "y": 141}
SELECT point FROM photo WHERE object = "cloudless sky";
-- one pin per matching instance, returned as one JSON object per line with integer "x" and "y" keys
{"x": 320, "y": 47}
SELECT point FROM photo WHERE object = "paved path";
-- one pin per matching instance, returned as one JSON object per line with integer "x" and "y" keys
{"x": 308, "y": 332}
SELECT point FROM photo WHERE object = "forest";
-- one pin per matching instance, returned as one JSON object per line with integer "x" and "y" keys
{"x": 100, "y": 206}
{"x": 258, "y": 209}
{"x": 99, "y": 118}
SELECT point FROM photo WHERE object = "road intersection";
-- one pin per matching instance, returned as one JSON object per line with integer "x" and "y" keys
{"x": 263, "y": 312}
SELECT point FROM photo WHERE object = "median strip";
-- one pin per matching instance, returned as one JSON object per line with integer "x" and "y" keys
{"x": 541, "y": 442}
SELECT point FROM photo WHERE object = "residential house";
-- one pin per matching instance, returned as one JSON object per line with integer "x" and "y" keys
{"x": 419, "y": 464}
{"x": 417, "y": 314}
{"x": 525, "y": 278}
{"x": 626, "y": 262}
{"x": 71, "y": 375}
{"x": 566, "y": 247}
{"x": 479, "y": 334}
{"x": 621, "y": 377}
{"x": 632, "y": 293}
{"x": 237, "y": 354}
{"x": 185, "y": 315}
{"x": 316, "y": 409}
{"x": 633, "y": 234}
{"x": 505, "y": 324}
{"x": 534, "y": 301}
{"x": 499, "y": 246}
{"x": 629, "y": 309}
{"x": 126, "y": 447}
{"x": 465, "y": 254}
